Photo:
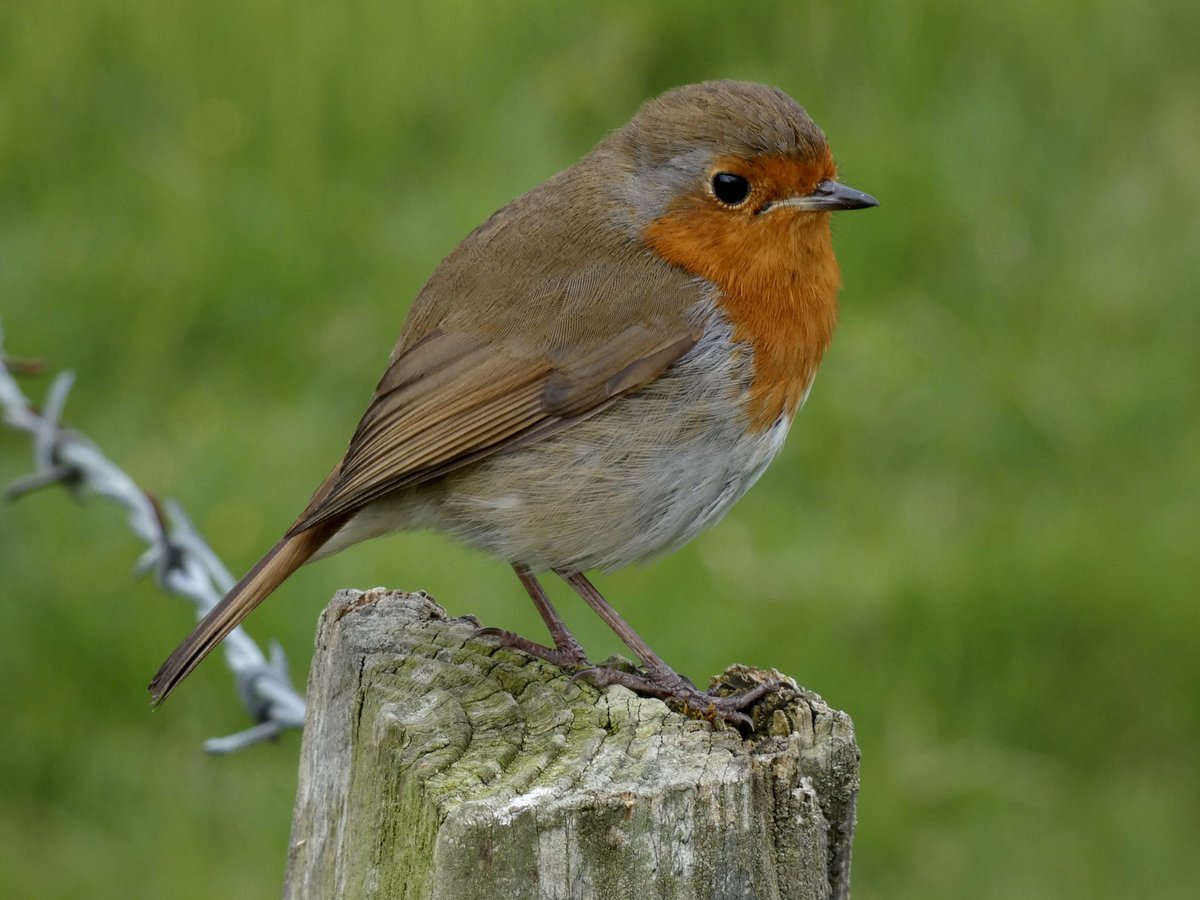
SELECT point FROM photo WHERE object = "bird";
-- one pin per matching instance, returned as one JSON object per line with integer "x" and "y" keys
{"x": 598, "y": 371}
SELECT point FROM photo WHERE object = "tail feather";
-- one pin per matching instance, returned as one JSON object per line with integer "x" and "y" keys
{"x": 256, "y": 585}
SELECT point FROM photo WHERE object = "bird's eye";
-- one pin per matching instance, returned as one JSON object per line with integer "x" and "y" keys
{"x": 730, "y": 189}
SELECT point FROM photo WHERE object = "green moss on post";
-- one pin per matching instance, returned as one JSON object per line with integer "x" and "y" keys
{"x": 434, "y": 766}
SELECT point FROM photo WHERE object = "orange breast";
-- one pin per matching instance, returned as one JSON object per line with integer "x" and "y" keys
{"x": 779, "y": 282}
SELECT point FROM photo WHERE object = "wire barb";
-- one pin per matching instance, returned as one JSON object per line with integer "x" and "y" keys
{"x": 179, "y": 558}
{"x": 21, "y": 367}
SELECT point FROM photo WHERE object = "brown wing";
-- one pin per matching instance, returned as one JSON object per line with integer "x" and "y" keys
{"x": 454, "y": 397}
{"x": 542, "y": 316}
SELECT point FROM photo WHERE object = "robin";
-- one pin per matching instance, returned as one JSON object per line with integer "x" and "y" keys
{"x": 599, "y": 371}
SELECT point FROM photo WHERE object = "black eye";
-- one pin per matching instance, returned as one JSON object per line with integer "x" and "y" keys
{"x": 729, "y": 188}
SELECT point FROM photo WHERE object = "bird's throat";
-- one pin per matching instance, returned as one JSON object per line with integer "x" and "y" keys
{"x": 779, "y": 282}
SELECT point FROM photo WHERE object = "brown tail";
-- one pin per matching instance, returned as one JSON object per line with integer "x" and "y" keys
{"x": 256, "y": 585}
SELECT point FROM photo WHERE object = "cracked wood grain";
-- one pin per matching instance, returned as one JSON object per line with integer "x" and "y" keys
{"x": 436, "y": 766}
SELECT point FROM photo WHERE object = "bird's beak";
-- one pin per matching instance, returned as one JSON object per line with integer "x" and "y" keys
{"x": 829, "y": 196}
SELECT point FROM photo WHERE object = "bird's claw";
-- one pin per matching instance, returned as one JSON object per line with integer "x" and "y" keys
{"x": 661, "y": 683}
{"x": 568, "y": 655}
{"x": 677, "y": 691}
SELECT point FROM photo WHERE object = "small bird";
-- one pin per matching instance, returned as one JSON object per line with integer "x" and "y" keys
{"x": 599, "y": 371}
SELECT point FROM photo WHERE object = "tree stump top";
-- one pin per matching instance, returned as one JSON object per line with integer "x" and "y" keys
{"x": 434, "y": 765}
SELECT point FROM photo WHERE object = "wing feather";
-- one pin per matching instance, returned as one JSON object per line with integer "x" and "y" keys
{"x": 455, "y": 393}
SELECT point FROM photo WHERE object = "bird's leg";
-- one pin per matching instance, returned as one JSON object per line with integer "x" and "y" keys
{"x": 567, "y": 651}
{"x": 659, "y": 679}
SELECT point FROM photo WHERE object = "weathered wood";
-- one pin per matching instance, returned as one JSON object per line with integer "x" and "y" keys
{"x": 436, "y": 766}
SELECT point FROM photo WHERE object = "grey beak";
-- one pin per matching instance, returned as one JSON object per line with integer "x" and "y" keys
{"x": 830, "y": 196}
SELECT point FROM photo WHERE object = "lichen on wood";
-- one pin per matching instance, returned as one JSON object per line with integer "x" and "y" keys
{"x": 438, "y": 766}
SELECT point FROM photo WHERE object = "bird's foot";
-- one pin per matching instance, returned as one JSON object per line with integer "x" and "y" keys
{"x": 566, "y": 653}
{"x": 678, "y": 692}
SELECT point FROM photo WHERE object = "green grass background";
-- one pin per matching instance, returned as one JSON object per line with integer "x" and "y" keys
{"x": 981, "y": 539}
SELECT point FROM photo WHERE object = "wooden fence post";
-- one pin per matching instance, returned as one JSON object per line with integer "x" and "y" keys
{"x": 435, "y": 766}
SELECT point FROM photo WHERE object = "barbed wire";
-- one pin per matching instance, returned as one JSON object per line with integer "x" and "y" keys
{"x": 181, "y": 561}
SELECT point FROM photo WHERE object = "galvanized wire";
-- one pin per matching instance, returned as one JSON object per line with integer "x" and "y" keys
{"x": 181, "y": 561}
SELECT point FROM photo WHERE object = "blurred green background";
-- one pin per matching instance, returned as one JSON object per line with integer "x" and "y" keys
{"x": 981, "y": 540}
